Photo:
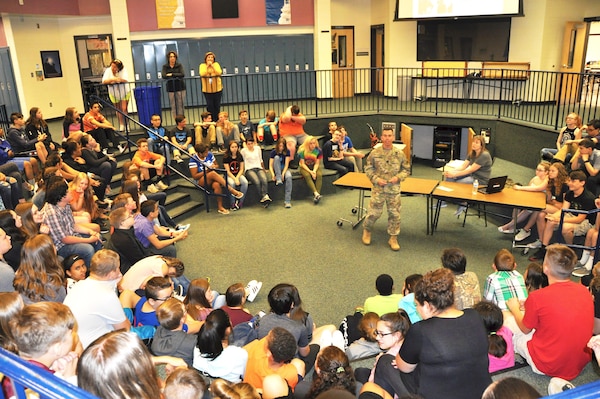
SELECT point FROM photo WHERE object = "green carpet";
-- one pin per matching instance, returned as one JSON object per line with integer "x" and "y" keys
{"x": 330, "y": 266}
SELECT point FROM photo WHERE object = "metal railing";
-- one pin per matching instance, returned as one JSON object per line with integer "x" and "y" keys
{"x": 131, "y": 121}
{"x": 540, "y": 98}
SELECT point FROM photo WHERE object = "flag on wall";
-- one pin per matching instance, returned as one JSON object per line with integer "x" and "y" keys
{"x": 170, "y": 14}
{"x": 279, "y": 12}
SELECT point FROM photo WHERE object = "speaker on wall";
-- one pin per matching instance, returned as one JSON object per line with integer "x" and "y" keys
{"x": 225, "y": 9}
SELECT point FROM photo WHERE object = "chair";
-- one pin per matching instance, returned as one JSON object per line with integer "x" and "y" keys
{"x": 579, "y": 246}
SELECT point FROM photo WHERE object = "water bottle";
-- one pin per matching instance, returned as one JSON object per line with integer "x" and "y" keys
{"x": 475, "y": 186}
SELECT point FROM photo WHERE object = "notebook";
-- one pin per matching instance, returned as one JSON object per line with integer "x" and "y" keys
{"x": 495, "y": 185}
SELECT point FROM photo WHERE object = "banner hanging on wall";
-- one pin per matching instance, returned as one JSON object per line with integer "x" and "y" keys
{"x": 170, "y": 14}
{"x": 279, "y": 12}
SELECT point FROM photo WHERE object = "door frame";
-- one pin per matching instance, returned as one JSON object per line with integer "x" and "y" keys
{"x": 343, "y": 77}
{"x": 377, "y": 75}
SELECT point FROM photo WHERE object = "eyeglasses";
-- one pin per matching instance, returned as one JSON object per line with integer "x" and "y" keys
{"x": 380, "y": 334}
{"x": 164, "y": 299}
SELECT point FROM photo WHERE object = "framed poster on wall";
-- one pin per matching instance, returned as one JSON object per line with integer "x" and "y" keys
{"x": 51, "y": 64}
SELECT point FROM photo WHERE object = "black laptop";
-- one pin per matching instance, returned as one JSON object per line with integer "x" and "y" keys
{"x": 495, "y": 185}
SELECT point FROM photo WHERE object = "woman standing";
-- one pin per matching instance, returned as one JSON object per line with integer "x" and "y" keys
{"x": 212, "y": 87}
{"x": 311, "y": 157}
{"x": 116, "y": 77}
{"x": 173, "y": 72}
{"x": 449, "y": 346}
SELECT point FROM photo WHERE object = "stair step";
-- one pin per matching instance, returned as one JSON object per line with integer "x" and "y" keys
{"x": 185, "y": 209}
{"x": 174, "y": 197}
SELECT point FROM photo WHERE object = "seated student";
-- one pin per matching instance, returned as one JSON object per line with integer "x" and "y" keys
{"x": 25, "y": 163}
{"x": 44, "y": 336}
{"x": 95, "y": 124}
{"x": 170, "y": 339}
{"x": 386, "y": 301}
{"x": 157, "y": 291}
{"x": 333, "y": 155}
{"x": 157, "y": 239}
{"x": 245, "y": 126}
{"x": 233, "y": 162}
{"x": 273, "y": 354}
{"x": 69, "y": 238}
{"x": 214, "y": 357}
{"x": 333, "y": 373}
{"x": 152, "y": 266}
{"x": 72, "y": 127}
{"x": 579, "y": 198}
{"x": 279, "y": 163}
{"x": 235, "y": 298}
{"x": 181, "y": 138}
{"x": 226, "y": 131}
{"x": 75, "y": 270}
{"x": 205, "y": 131}
{"x": 184, "y": 384}
{"x": 311, "y": 169}
{"x": 35, "y": 127}
{"x": 200, "y": 300}
{"x": 255, "y": 170}
{"x": 587, "y": 159}
{"x": 350, "y": 153}
{"x": 408, "y": 300}
{"x": 587, "y": 255}
{"x": 98, "y": 163}
{"x": 366, "y": 345}
{"x": 94, "y": 301}
{"x": 540, "y": 338}
{"x": 158, "y": 138}
{"x": 281, "y": 300}
{"x": 266, "y": 131}
{"x": 466, "y": 285}
{"x": 123, "y": 239}
{"x": 85, "y": 209}
{"x": 506, "y": 282}
{"x": 501, "y": 351}
{"x": 223, "y": 389}
{"x": 146, "y": 160}
{"x": 202, "y": 168}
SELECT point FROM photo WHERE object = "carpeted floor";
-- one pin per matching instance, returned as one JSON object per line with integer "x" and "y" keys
{"x": 330, "y": 266}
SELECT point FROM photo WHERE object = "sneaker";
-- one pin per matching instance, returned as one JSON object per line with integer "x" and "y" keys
{"x": 122, "y": 128}
{"x": 580, "y": 271}
{"x": 182, "y": 227}
{"x": 522, "y": 234}
{"x": 287, "y": 205}
{"x": 152, "y": 189}
{"x": 221, "y": 148}
{"x": 337, "y": 339}
{"x": 223, "y": 211}
{"x": 538, "y": 255}
{"x": 558, "y": 385}
{"x": 536, "y": 244}
{"x": 178, "y": 159}
{"x": 121, "y": 148}
{"x": 278, "y": 182}
{"x": 252, "y": 290}
{"x": 460, "y": 210}
{"x": 105, "y": 151}
{"x": 505, "y": 231}
{"x": 161, "y": 186}
{"x": 236, "y": 205}
{"x": 317, "y": 198}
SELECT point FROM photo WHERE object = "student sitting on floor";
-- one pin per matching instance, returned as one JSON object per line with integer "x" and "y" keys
{"x": 386, "y": 301}
{"x": 506, "y": 282}
{"x": 170, "y": 339}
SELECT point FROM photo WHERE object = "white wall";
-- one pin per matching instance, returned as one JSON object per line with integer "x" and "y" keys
{"x": 26, "y": 40}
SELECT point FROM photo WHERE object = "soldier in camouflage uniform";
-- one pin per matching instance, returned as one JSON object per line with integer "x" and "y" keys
{"x": 386, "y": 167}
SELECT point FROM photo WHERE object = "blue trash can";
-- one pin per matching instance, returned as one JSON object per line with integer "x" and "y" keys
{"x": 147, "y": 99}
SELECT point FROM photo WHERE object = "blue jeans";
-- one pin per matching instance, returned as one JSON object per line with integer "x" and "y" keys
{"x": 258, "y": 177}
{"x": 287, "y": 179}
{"x": 465, "y": 179}
{"x": 86, "y": 251}
{"x": 160, "y": 147}
{"x": 243, "y": 188}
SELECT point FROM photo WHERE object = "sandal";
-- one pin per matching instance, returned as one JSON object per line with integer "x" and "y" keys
{"x": 223, "y": 211}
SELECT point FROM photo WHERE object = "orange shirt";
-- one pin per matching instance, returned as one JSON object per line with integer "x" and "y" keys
{"x": 258, "y": 368}
{"x": 290, "y": 128}
{"x": 138, "y": 158}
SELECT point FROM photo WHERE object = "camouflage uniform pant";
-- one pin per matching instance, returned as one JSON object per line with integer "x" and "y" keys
{"x": 375, "y": 210}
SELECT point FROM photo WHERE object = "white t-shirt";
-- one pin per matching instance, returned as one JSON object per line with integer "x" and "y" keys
{"x": 151, "y": 266}
{"x": 252, "y": 159}
{"x": 229, "y": 365}
{"x": 96, "y": 308}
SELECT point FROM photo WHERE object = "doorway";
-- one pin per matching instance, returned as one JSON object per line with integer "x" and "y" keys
{"x": 342, "y": 60}
{"x": 572, "y": 61}
{"x": 377, "y": 59}
{"x": 94, "y": 55}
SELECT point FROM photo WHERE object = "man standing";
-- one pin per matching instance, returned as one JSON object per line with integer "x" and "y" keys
{"x": 333, "y": 154}
{"x": 386, "y": 167}
{"x": 94, "y": 301}
{"x": 291, "y": 126}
